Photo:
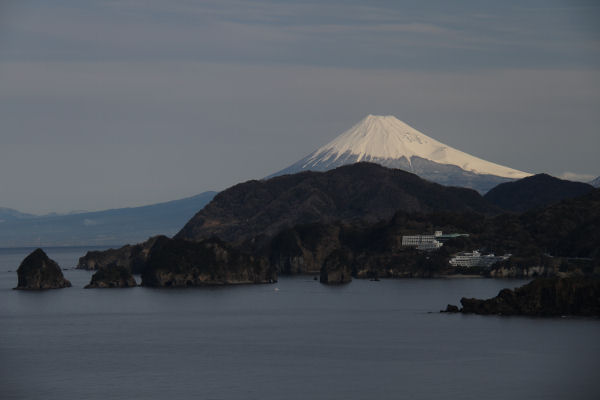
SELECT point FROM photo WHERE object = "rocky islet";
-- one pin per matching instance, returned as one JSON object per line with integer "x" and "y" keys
{"x": 38, "y": 272}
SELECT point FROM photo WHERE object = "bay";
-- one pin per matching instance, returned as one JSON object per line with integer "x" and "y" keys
{"x": 296, "y": 339}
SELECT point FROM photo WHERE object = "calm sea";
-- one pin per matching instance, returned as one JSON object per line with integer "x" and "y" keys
{"x": 296, "y": 339}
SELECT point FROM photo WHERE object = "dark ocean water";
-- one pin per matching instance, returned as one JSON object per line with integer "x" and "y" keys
{"x": 365, "y": 340}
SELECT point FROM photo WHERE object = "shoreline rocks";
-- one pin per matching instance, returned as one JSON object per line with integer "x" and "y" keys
{"x": 180, "y": 263}
{"x": 576, "y": 296}
{"x": 113, "y": 276}
{"x": 38, "y": 272}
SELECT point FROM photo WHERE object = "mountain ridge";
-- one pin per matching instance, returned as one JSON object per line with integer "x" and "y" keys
{"x": 106, "y": 227}
{"x": 7, "y": 214}
{"x": 364, "y": 191}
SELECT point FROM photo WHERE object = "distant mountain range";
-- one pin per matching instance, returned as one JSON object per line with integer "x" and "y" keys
{"x": 596, "y": 182}
{"x": 387, "y": 141}
{"x": 109, "y": 227}
{"x": 8, "y": 214}
{"x": 256, "y": 205}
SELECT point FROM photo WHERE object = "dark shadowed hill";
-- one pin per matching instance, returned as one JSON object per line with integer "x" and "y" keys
{"x": 563, "y": 237}
{"x": 534, "y": 191}
{"x": 362, "y": 191}
{"x": 570, "y": 228}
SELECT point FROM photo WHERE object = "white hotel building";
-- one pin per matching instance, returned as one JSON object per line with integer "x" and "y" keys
{"x": 423, "y": 242}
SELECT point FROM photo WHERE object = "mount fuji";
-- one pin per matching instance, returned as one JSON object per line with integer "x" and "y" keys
{"x": 387, "y": 141}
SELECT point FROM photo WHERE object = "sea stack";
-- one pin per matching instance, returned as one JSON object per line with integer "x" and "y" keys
{"x": 336, "y": 269}
{"x": 113, "y": 276}
{"x": 38, "y": 272}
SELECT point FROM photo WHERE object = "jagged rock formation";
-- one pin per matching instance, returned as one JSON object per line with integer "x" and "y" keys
{"x": 254, "y": 211}
{"x": 38, "y": 271}
{"x": 112, "y": 276}
{"x": 542, "y": 297}
{"x": 179, "y": 263}
{"x": 535, "y": 191}
{"x": 131, "y": 257}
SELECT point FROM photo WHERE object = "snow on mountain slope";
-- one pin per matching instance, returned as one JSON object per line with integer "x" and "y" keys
{"x": 392, "y": 143}
{"x": 387, "y": 137}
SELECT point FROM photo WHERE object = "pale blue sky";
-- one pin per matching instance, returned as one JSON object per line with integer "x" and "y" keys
{"x": 119, "y": 103}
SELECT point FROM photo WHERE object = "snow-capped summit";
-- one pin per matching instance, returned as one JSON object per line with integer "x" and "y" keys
{"x": 390, "y": 142}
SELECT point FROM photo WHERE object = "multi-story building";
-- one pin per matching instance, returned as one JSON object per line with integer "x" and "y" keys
{"x": 476, "y": 259}
{"x": 429, "y": 242}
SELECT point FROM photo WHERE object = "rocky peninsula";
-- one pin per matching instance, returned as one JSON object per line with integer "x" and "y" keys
{"x": 303, "y": 223}
{"x": 576, "y": 296}
{"x": 39, "y": 272}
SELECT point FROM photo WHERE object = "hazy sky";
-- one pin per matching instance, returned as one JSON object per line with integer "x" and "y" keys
{"x": 128, "y": 102}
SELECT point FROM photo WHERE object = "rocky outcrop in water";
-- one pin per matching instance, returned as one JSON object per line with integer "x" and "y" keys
{"x": 113, "y": 276}
{"x": 179, "y": 263}
{"x": 131, "y": 257}
{"x": 541, "y": 297}
{"x": 336, "y": 269}
{"x": 38, "y": 271}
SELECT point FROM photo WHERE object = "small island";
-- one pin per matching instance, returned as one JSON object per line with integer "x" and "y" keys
{"x": 113, "y": 276}
{"x": 38, "y": 272}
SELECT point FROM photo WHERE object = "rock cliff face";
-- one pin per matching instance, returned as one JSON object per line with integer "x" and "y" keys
{"x": 113, "y": 276}
{"x": 131, "y": 257}
{"x": 369, "y": 251}
{"x": 179, "y": 263}
{"x": 303, "y": 249}
{"x": 542, "y": 297}
{"x": 38, "y": 271}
